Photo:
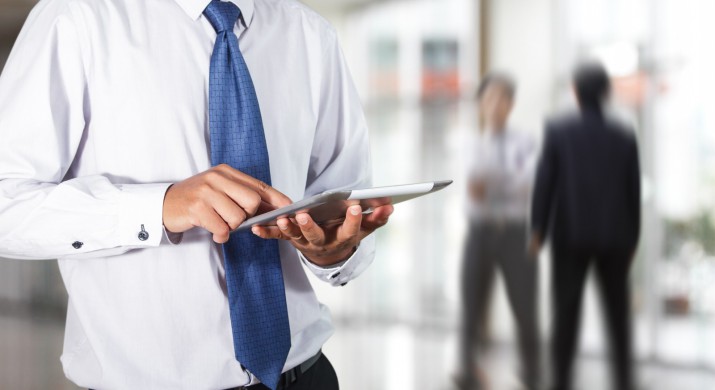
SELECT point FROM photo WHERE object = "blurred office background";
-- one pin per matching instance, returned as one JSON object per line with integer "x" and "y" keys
{"x": 416, "y": 64}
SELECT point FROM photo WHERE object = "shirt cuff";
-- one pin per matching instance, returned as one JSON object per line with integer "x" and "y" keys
{"x": 141, "y": 214}
{"x": 173, "y": 238}
{"x": 338, "y": 274}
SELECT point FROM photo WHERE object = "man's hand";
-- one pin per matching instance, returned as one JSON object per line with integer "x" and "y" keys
{"x": 218, "y": 200}
{"x": 327, "y": 245}
{"x": 535, "y": 245}
{"x": 477, "y": 190}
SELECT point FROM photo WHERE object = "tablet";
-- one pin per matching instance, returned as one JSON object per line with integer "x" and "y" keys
{"x": 330, "y": 207}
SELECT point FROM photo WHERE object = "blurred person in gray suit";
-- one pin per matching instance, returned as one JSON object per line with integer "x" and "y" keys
{"x": 587, "y": 202}
{"x": 500, "y": 180}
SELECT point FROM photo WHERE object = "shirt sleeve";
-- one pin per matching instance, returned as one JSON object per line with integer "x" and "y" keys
{"x": 521, "y": 182}
{"x": 44, "y": 109}
{"x": 340, "y": 157}
{"x": 340, "y": 274}
{"x": 474, "y": 157}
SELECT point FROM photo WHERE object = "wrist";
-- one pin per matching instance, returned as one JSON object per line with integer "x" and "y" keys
{"x": 327, "y": 261}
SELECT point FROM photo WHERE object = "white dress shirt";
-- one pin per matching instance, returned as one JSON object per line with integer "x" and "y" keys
{"x": 504, "y": 161}
{"x": 103, "y": 104}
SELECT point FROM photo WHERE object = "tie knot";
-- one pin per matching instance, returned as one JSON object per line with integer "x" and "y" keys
{"x": 222, "y": 15}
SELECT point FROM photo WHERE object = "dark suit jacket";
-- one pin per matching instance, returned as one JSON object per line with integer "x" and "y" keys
{"x": 587, "y": 190}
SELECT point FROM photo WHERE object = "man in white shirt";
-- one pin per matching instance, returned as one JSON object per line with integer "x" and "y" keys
{"x": 500, "y": 177}
{"x": 103, "y": 106}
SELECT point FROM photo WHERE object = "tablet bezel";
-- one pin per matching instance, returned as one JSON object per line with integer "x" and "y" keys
{"x": 345, "y": 198}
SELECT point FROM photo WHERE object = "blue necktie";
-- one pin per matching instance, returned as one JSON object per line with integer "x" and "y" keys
{"x": 256, "y": 294}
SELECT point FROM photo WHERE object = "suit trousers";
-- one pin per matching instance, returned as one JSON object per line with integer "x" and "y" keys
{"x": 491, "y": 247}
{"x": 570, "y": 268}
{"x": 321, "y": 376}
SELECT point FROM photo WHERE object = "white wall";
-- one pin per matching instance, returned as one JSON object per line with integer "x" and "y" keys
{"x": 521, "y": 43}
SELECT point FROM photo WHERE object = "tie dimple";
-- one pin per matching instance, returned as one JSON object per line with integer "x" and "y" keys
{"x": 222, "y": 15}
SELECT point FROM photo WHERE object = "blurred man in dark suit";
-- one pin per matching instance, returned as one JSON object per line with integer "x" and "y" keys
{"x": 587, "y": 201}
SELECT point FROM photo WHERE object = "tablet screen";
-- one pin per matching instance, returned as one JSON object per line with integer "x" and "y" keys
{"x": 330, "y": 207}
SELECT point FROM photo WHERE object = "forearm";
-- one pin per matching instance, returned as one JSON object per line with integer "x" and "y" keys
{"x": 84, "y": 217}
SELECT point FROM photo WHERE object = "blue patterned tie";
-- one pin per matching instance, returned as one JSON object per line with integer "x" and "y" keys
{"x": 256, "y": 294}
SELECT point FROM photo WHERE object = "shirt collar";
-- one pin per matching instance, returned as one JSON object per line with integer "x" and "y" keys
{"x": 194, "y": 8}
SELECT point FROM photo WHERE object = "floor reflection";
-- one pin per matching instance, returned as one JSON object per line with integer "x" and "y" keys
{"x": 367, "y": 356}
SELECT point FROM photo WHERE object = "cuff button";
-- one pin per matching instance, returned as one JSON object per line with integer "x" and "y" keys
{"x": 143, "y": 234}
{"x": 77, "y": 244}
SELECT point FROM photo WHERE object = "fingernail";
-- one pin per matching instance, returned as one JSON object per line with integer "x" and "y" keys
{"x": 302, "y": 219}
{"x": 282, "y": 226}
{"x": 255, "y": 231}
{"x": 355, "y": 210}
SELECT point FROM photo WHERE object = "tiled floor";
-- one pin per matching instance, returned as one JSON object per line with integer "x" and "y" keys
{"x": 367, "y": 357}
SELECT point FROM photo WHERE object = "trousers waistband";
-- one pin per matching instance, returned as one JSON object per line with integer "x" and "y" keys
{"x": 289, "y": 377}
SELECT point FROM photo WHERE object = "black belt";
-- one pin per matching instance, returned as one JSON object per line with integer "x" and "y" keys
{"x": 291, "y": 376}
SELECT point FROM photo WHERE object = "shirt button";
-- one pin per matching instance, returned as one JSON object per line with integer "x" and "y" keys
{"x": 77, "y": 244}
{"x": 143, "y": 234}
